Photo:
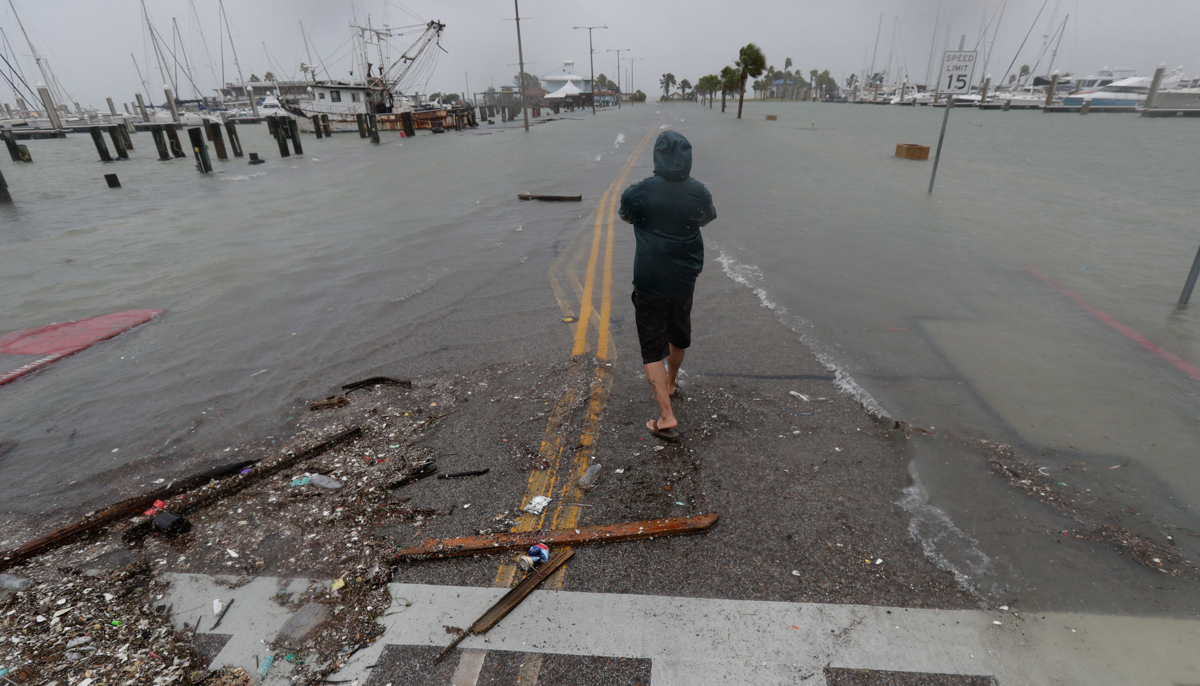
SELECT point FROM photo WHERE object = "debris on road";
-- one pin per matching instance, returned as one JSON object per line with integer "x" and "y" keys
{"x": 331, "y": 401}
{"x": 551, "y": 198}
{"x": 536, "y": 504}
{"x": 456, "y": 475}
{"x": 377, "y": 381}
{"x": 510, "y": 601}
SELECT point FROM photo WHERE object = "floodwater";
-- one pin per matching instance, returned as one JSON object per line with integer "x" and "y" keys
{"x": 1006, "y": 305}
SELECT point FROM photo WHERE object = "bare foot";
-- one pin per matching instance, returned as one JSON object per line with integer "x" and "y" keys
{"x": 660, "y": 424}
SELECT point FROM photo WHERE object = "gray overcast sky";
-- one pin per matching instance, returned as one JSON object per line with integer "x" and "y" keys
{"x": 88, "y": 42}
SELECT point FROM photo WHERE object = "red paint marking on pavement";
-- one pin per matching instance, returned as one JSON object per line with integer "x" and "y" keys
{"x": 1125, "y": 330}
{"x": 57, "y": 341}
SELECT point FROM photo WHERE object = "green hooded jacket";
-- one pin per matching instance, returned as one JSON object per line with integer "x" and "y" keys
{"x": 667, "y": 211}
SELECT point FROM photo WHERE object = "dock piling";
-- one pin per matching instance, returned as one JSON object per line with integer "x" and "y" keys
{"x": 277, "y": 129}
{"x": 171, "y": 103}
{"x": 1153, "y": 93}
{"x": 113, "y": 181}
{"x": 114, "y": 132}
{"x": 1050, "y": 92}
{"x": 101, "y": 146}
{"x": 125, "y": 127}
{"x": 325, "y": 125}
{"x": 316, "y": 122}
{"x": 203, "y": 163}
{"x": 987, "y": 83}
{"x": 142, "y": 107}
{"x": 1086, "y": 106}
{"x": 214, "y": 132}
{"x": 293, "y": 130}
{"x": 373, "y": 126}
{"x": 1191, "y": 280}
{"x": 112, "y": 109}
{"x": 4, "y": 196}
{"x": 10, "y": 141}
{"x": 361, "y": 119}
{"x": 173, "y": 138}
{"x": 160, "y": 142}
{"x": 406, "y": 121}
{"x": 51, "y": 112}
{"x": 235, "y": 142}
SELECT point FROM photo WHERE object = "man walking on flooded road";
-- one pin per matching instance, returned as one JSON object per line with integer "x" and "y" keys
{"x": 667, "y": 211}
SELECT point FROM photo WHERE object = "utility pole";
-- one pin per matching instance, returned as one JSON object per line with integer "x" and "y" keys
{"x": 591, "y": 60}
{"x": 521, "y": 65}
{"x": 618, "y": 51}
{"x": 631, "y": 60}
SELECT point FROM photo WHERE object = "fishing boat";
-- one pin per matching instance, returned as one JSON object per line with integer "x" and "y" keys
{"x": 381, "y": 94}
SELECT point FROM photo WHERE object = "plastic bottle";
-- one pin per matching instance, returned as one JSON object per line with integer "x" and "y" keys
{"x": 266, "y": 665}
{"x": 588, "y": 481}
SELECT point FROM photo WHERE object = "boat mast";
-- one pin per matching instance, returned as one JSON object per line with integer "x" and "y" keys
{"x": 1061, "y": 30}
{"x": 145, "y": 86}
{"x": 233, "y": 48}
{"x": 37, "y": 56}
{"x": 988, "y": 55}
{"x": 875, "y": 52}
{"x": 932, "y": 44}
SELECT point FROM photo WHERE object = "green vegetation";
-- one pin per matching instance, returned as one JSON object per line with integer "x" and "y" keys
{"x": 666, "y": 82}
{"x": 751, "y": 63}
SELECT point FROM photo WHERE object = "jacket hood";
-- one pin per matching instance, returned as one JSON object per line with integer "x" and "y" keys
{"x": 672, "y": 156}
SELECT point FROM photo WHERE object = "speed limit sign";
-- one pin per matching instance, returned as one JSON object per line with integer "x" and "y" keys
{"x": 958, "y": 68}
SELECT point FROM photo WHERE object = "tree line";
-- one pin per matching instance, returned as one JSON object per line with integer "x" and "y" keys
{"x": 747, "y": 68}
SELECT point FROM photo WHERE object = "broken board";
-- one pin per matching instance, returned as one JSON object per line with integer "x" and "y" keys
{"x": 47, "y": 344}
{"x": 550, "y": 198}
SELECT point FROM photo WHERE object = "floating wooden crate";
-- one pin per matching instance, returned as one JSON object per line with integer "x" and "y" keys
{"x": 771, "y": 117}
{"x": 912, "y": 151}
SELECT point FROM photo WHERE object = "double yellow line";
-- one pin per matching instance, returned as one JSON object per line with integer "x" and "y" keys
{"x": 562, "y": 488}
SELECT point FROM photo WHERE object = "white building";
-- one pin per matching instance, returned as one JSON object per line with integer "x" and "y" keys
{"x": 565, "y": 74}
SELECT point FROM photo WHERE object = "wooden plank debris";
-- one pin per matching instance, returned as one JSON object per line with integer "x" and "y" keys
{"x": 605, "y": 533}
{"x": 510, "y": 600}
{"x": 550, "y": 198}
{"x": 329, "y": 402}
{"x": 376, "y": 381}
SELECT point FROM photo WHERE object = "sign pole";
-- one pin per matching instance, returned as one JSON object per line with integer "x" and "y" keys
{"x": 938, "y": 155}
{"x": 955, "y": 77}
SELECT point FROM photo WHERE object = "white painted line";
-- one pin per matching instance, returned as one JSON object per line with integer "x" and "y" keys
{"x": 694, "y": 641}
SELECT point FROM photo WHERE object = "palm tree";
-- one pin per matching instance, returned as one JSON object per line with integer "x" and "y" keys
{"x": 787, "y": 74}
{"x": 729, "y": 83}
{"x": 751, "y": 62}
{"x": 709, "y": 85}
{"x": 684, "y": 85}
{"x": 666, "y": 82}
{"x": 812, "y": 82}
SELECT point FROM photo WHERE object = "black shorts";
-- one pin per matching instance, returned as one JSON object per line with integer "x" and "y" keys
{"x": 662, "y": 321}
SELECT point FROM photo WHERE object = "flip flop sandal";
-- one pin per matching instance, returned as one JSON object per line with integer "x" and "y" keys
{"x": 670, "y": 435}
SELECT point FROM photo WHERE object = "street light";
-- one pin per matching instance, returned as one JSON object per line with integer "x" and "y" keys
{"x": 618, "y": 51}
{"x": 631, "y": 60}
{"x": 591, "y": 61}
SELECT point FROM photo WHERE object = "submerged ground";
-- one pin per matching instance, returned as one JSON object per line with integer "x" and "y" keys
{"x": 415, "y": 260}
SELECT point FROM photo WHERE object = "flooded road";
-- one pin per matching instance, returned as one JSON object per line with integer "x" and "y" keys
{"x": 1005, "y": 306}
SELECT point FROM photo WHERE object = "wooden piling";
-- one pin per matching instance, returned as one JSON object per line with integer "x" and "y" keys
{"x": 114, "y": 132}
{"x": 112, "y": 109}
{"x": 1007, "y": 105}
{"x": 4, "y": 196}
{"x": 983, "y": 94}
{"x": 51, "y": 112}
{"x": 406, "y": 120}
{"x": 1154, "y": 85}
{"x": 171, "y": 104}
{"x": 276, "y": 128}
{"x": 160, "y": 142}
{"x": 101, "y": 146}
{"x": 235, "y": 141}
{"x": 173, "y": 138}
{"x": 1087, "y": 105}
{"x": 293, "y": 129}
{"x": 374, "y": 119}
{"x": 24, "y": 152}
{"x": 316, "y": 122}
{"x": 361, "y": 119}
{"x": 113, "y": 181}
{"x": 1050, "y": 92}
{"x": 214, "y": 132}
{"x": 142, "y": 107}
{"x": 325, "y": 125}
{"x": 10, "y": 141}
{"x": 125, "y": 134}
{"x": 203, "y": 163}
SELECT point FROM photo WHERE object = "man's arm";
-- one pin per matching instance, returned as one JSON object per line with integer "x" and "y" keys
{"x": 626, "y": 212}
{"x": 710, "y": 212}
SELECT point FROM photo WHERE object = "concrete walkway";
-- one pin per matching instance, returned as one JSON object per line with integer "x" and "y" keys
{"x": 692, "y": 641}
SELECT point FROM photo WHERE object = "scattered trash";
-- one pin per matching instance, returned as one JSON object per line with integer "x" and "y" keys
{"x": 232, "y": 552}
{"x": 536, "y": 504}
{"x": 619, "y": 471}
{"x": 217, "y": 606}
{"x": 331, "y": 401}
{"x": 172, "y": 525}
{"x": 300, "y": 481}
{"x": 322, "y": 481}
{"x": 337, "y": 584}
{"x": 455, "y": 475}
{"x": 996, "y": 623}
{"x": 466, "y": 506}
{"x": 266, "y": 666}
{"x": 376, "y": 381}
{"x": 537, "y": 555}
{"x": 680, "y": 504}
{"x": 221, "y": 614}
{"x": 14, "y": 583}
{"x": 800, "y": 396}
{"x": 1004, "y": 608}
{"x": 879, "y": 561}
{"x": 551, "y": 198}
{"x": 795, "y": 572}
{"x": 588, "y": 481}
{"x": 159, "y": 506}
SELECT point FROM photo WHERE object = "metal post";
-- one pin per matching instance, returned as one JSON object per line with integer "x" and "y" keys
{"x": 938, "y": 156}
{"x": 521, "y": 63}
{"x": 142, "y": 107}
{"x": 1153, "y": 93}
{"x": 203, "y": 164}
{"x": 48, "y": 103}
{"x": 101, "y": 146}
{"x": 171, "y": 104}
{"x": 1191, "y": 281}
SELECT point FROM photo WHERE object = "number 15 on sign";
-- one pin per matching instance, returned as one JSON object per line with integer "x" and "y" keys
{"x": 957, "y": 74}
